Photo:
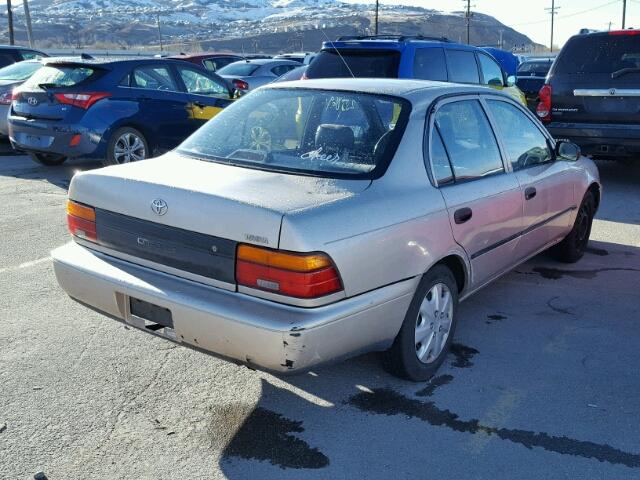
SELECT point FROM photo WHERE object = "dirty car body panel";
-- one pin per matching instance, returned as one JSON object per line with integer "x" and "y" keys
{"x": 381, "y": 228}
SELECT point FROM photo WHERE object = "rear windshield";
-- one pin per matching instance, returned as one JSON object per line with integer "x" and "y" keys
{"x": 59, "y": 76}
{"x": 599, "y": 54}
{"x": 315, "y": 132}
{"x": 240, "y": 69}
{"x": 358, "y": 63}
{"x": 19, "y": 71}
{"x": 541, "y": 68}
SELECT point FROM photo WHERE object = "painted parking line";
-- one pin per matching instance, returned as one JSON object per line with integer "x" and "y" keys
{"x": 25, "y": 265}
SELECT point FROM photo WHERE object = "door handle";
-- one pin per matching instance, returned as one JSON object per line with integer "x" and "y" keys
{"x": 529, "y": 193}
{"x": 462, "y": 215}
{"x": 199, "y": 104}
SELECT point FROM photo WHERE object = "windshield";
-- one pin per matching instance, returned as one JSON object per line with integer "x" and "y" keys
{"x": 363, "y": 63}
{"x": 19, "y": 71}
{"x": 315, "y": 132}
{"x": 599, "y": 54}
{"x": 539, "y": 68}
{"x": 240, "y": 69}
{"x": 59, "y": 76}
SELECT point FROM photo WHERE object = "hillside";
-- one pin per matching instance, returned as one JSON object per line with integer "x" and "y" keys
{"x": 269, "y": 26}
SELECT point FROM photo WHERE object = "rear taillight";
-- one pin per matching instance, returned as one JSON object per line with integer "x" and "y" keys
{"x": 6, "y": 98}
{"x": 544, "y": 107}
{"x": 624, "y": 32}
{"x": 81, "y": 220}
{"x": 290, "y": 274}
{"x": 240, "y": 84}
{"x": 81, "y": 100}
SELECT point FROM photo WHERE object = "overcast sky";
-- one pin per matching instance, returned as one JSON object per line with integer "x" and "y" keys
{"x": 531, "y": 18}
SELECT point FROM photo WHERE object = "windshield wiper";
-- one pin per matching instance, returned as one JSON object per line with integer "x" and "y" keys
{"x": 624, "y": 71}
{"x": 46, "y": 86}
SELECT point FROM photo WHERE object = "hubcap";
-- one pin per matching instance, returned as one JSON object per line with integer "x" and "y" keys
{"x": 433, "y": 323}
{"x": 129, "y": 148}
{"x": 260, "y": 139}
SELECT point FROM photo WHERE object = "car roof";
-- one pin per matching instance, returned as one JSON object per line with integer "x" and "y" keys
{"x": 106, "y": 60}
{"x": 398, "y": 43}
{"x": 264, "y": 61}
{"x": 203, "y": 55}
{"x": 384, "y": 86}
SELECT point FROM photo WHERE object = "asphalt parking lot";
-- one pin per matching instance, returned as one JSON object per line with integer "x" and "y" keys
{"x": 542, "y": 383}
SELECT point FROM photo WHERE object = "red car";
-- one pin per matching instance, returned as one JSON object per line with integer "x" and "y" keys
{"x": 209, "y": 60}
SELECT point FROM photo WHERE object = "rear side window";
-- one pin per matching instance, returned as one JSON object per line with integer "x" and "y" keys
{"x": 462, "y": 66}
{"x": 197, "y": 83}
{"x": 240, "y": 69}
{"x": 599, "y": 54}
{"x": 491, "y": 71}
{"x": 60, "y": 75}
{"x": 469, "y": 140}
{"x": 154, "y": 78}
{"x": 215, "y": 64}
{"x": 30, "y": 54}
{"x": 440, "y": 160}
{"x": 367, "y": 63}
{"x": 429, "y": 64}
{"x": 282, "y": 69}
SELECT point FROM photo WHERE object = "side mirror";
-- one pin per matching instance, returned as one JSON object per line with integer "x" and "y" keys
{"x": 511, "y": 81}
{"x": 568, "y": 151}
{"x": 236, "y": 93}
{"x": 495, "y": 82}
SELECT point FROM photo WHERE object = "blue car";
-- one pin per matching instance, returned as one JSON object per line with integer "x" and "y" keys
{"x": 114, "y": 110}
{"x": 417, "y": 57}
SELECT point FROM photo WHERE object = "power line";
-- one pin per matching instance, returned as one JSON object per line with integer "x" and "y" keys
{"x": 574, "y": 14}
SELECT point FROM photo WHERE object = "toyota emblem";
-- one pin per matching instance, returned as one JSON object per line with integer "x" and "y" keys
{"x": 32, "y": 101}
{"x": 159, "y": 206}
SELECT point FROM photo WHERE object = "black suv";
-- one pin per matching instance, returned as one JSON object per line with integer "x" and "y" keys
{"x": 592, "y": 94}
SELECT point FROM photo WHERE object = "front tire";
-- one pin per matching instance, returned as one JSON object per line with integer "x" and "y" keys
{"x": 428, "y": 328}
{"x": 126, "y": 145}
{"x": 48, "y": 159}
{"x": 572, "y": 247}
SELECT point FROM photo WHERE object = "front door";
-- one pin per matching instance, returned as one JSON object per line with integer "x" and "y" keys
{"x": 207, "y": 95}
{"x": 547, "y": 185}
{"x": 483, "y": 200}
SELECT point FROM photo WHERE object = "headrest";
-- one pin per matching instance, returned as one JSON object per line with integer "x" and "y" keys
{"x": 334, "y": 138}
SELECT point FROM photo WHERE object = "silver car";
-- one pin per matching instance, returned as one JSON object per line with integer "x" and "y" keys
{"x": 315, "y": 220}
{"x": 13, "y": 76}
{"x": 247, "y": 75}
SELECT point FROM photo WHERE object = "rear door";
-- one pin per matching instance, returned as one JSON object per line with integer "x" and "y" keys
{"x": 596, "y": 78}
{"x": 483, "y": 200}
{"x": 207, "y": 95}
{"x": 163, "y": 107}
{"x": 547, "y": 185}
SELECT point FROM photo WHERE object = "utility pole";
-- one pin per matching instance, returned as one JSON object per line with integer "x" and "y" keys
{"x": 624, "y": 13}
{"x": 552, "y": 11}
{"x": 10, "y": 20}
{"x": 27, "y": 16}
{"x": 467, "y": 18}
{"x": 376, "y": 21}
{"x": 159, "y": 31}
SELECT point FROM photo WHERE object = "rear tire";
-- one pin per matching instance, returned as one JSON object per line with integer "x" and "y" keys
{"x": 572, "y": 247}
{"x": 126, "y": 145}
{"x": 428, "y": 328}
{"x": 48, "y": 159}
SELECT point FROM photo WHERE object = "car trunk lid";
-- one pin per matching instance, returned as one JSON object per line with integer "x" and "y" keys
{"x": 36, "y": 99}
{"x": 190, "y": 214}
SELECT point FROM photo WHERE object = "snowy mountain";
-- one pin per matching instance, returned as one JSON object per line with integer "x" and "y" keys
{"x": 222, "y": 23}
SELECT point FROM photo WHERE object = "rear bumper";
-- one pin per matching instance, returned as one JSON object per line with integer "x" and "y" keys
{"x": 605, "y": 140}
{"x": 248, "y": 330}
{"x": 52, "y": 137}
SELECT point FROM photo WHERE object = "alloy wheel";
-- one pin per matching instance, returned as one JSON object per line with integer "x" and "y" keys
{"x": 129, "y": 147}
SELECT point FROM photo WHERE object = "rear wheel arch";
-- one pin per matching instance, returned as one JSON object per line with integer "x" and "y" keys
{"x": 458, "y": 268}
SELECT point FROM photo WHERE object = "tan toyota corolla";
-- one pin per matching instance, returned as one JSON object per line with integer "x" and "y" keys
{"x": 315, "y": 220}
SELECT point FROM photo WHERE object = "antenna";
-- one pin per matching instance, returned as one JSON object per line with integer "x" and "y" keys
{"x": 338, "y": 52}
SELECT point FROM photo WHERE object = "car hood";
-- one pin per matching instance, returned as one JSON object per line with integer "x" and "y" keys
{"x": 225, "y": 201}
